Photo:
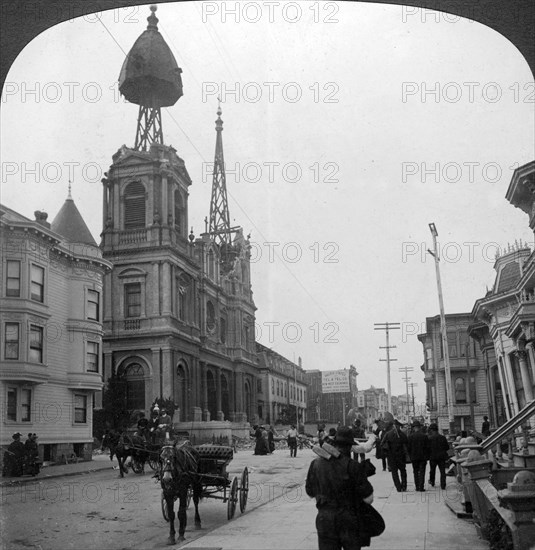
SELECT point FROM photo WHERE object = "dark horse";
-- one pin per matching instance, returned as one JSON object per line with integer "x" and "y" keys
{"x": 179, "y": 466}
{"x": 125, "y": 445}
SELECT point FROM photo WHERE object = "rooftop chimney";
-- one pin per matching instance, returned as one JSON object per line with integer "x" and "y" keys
{"x": 40, "y": 217}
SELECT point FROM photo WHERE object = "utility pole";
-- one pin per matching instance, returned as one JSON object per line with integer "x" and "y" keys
{"x": 387, "y": 327}
{"x": 412, "y": 384}
{"x": 406, "y": 370}
{"x": 449, "y": 394}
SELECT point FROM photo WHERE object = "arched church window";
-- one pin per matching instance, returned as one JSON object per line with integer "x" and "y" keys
{"x": 134, "y": 205}
{"x": 211, "y": 264}
{"x": 223, "y": 330}
{"x": 134, "y": 376}
{"x": 210, "y": 316}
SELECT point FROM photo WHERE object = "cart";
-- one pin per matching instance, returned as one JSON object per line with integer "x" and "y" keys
{"x": 215, "y": 481}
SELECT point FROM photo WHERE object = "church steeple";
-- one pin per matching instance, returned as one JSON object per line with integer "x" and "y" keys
{"x": 219, "y": 226}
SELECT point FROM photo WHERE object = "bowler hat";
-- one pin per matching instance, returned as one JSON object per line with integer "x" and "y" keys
{"x": 16, "y": 435}
{"x": 433, "y": 427}
{"x": 416, "y": 424}
{"x": 344, "y": 436}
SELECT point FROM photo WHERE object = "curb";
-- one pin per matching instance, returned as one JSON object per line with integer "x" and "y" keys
{"x": 24, "y": 480}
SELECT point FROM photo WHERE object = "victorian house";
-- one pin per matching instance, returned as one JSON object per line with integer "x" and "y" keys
{"x": 51, "y": 325}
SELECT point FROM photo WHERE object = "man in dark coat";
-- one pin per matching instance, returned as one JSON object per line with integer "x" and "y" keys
{"x": 339, "y": 485}
{"x": 14, "y": 457}
{"x": 395, "y": 442}
{"x": 485, "y": 427}
{"x": 419, "y": 450}
{"x": 438, "y": 455}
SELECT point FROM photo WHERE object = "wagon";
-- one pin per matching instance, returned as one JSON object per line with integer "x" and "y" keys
{"x": 215, "y": 480}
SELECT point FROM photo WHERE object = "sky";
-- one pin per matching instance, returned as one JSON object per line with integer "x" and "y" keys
{"x": 348, "y": 128}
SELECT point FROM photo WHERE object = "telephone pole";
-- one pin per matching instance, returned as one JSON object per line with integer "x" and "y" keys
{"x": 412, "y": 384}
{"x": 387, "y": 327}
{"x": 447, "y": 370}
{"x": 406, "y": 370}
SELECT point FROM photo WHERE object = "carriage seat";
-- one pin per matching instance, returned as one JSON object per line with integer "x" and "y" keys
{"x": 214, "y": 459}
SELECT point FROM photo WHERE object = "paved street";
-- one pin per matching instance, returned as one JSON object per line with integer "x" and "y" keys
{"x": 100, "y": 510}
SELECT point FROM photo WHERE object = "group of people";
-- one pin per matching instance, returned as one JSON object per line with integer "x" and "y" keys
{"x": 264, "y": 440}
{"x": 396, "y": 449}
{"x": 22, "y": 458}
{"x": 155, "y": 428}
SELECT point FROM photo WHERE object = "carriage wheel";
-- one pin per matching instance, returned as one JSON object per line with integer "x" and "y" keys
{"x": 244, "y": 489}
{"x": 137, "y": 466}
{"x": 165, "y": 511}
{"x": 232, "y": 499}
{"x": 154, "y": 463}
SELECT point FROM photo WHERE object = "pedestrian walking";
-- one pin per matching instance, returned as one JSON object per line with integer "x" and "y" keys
{"x": 260, "y": 447}
{"x": 340, "y": 486}
{"x": 419, "y": 451}
{"x": 358, "y": 433}
{"x": 395, "y": 441}
{"x": 321, "y": 433}
{"x": 292, "y": 441}
{"x": 31, "y": 449}
{"x": 271, "y": 440}
{"x": 14, "y": 457}
{"x": 379, "y": 431}
{"x": 438, "y": 455}
{"x": 485, "y": 427}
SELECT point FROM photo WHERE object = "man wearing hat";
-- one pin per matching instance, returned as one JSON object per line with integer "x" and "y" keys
{"x": 395, "y": 444}
{"x": 439, "y": 447}
{"x": 419, "y": 451}
{"x": 14, "y": 456}
{"x": 339, "y": 484}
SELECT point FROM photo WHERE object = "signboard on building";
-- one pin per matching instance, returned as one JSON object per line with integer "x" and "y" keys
{"x": 335, "y": 381}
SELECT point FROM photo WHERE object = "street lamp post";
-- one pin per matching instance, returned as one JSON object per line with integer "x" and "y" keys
{"x": 449, "y": 399}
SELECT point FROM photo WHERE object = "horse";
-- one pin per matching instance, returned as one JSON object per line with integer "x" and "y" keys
{"x": 179, "y": 467}
{"x": 133, "y": 446}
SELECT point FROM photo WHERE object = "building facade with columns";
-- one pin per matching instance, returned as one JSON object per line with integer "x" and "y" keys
{"x": 51, "y": 325}
{"x": 508, "y": 310}
{"x": 282, "y": 391}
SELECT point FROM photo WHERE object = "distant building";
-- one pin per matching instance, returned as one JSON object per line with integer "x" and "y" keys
{"x": 51, "y": 326}
{"x": 373, "y": 403}
{"x": 282, "y": 388}
{"x": 327, "y": 407}
{"x": 468, "y": 373}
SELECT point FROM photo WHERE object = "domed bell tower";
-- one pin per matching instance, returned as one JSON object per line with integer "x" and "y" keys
{"x": 145, "y": 191}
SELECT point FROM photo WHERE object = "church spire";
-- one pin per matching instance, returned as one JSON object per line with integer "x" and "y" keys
{"x": 219, "y": 214}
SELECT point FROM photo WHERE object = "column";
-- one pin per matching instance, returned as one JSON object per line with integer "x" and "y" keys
{"x": 156, "y": 378}
{"x": 511, "y": 384}
{"x": 206, "y": 412}
{"x": 505, "y": 392}
{"x": 196, "y": 381}
{"x": 526, "y": 382}
{"x": 531, "y": 360}
{"x": 116, "y": 203}
{"x": 220, "y": 415}
{"x": 154, "y": 291}
{"x": 166, "y": 289}
{"x": 164, "y": 214}
{"x": 239, "y": 396}
{"x": 104, "y": 203}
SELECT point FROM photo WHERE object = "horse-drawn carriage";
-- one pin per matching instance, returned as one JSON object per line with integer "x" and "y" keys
{"x": 198, "y": 472}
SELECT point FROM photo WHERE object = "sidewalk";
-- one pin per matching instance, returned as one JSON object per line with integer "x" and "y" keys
{"x": 414, "y": 521}
{"x": 99, "y": 462}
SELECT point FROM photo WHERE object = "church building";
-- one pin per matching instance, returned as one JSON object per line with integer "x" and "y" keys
{"x": 178, "y": 311}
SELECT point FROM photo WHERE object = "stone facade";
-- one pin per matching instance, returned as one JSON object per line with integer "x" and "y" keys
{"x": 178, "y": 321}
